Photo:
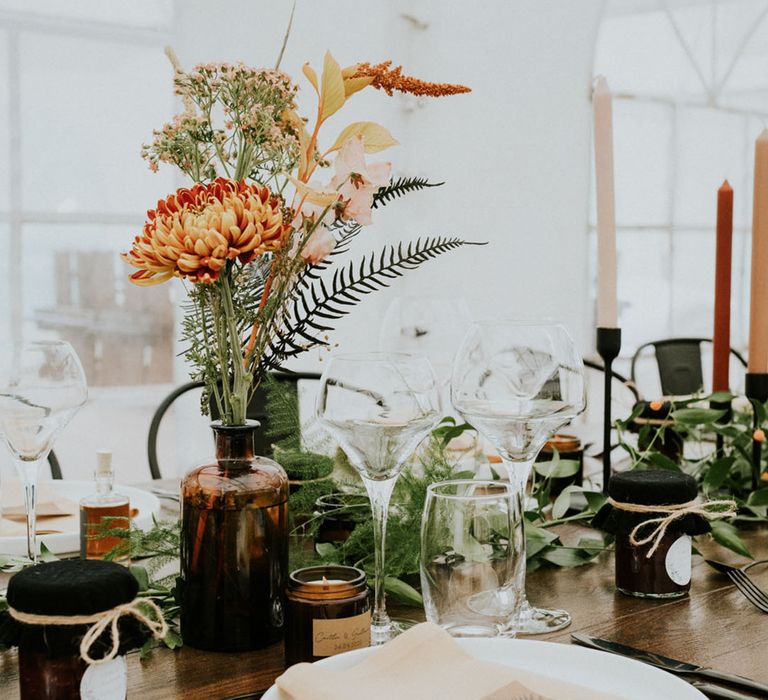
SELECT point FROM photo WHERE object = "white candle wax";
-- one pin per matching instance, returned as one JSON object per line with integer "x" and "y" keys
{"x": 607, "y": 315}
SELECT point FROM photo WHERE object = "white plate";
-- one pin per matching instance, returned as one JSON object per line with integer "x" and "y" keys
{"x": 69, "y": 541}
{"x": 594, "y": 670}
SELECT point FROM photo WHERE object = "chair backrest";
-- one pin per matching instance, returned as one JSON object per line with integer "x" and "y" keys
{"x": 679, "y": 363}
{"x": 257, "y": 410}
{"x": 53, "y": 462}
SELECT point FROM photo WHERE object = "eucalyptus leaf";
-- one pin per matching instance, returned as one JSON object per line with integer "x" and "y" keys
{"x": 46, "y": 554}
{"x": 562, "y": 556}
{"x": 173, "y": 640}
{"x": 720, "y": 397}
{"x": 403, "y": 592}
{"x": 663, "y": 462}
{"x": 728, "y": 536}
{"x": 563, "y": 501}
{"x": 141, "y": 575}
{"x": 696, "y": 416}
{"x": 718, "y": 473}
{"x": 595, "y": 500}
{"x": 557, "y": 469}
{"x": 325, "y": 549}
{"x": 758, "y": 498}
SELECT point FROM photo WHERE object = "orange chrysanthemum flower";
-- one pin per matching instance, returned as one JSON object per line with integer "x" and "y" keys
{"x": 194, "y": 232}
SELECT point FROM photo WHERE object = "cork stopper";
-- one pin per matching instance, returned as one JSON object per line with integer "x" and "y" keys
{"x": 103, "y": 462}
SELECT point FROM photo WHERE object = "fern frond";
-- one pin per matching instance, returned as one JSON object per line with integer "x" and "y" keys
{"x": 321, "y": 302}
{"x": 397, "y": 188}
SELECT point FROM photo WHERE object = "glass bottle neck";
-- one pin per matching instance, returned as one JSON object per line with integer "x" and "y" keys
{"x": 235, "y": 443}
{"x": 104, "y": 483}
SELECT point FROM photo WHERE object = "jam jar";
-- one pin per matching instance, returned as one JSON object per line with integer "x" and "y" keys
{"x": 661, "y": 567}
{"x": 40, "y": 598}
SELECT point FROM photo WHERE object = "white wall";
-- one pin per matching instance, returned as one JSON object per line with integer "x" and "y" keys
{"x": 514, "y": 153}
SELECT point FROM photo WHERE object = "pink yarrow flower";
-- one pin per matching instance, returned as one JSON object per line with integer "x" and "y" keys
{"x": 319, "y": 246}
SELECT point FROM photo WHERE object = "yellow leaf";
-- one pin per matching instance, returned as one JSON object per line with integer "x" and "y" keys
{"x": 376, "y": 137}
{"x": 353, "y": 85}
{"x": 332, "y": 92}
{"x": 322, "y": 198}
{"x": 311, "y": 76}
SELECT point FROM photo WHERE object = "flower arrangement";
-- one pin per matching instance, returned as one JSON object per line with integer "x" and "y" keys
{"x": 253, "y": 236}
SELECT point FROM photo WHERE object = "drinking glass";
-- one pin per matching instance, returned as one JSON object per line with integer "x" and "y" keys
{"x": 518, "y": 382}
{"x": 430, "y": 326}
{"x": 472, "y": 557}
{"x": 42, "y": 385}
{"x": 379, "y": 407}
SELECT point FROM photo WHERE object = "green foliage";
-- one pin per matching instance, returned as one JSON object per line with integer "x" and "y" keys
{"x": 397, "y": 188}
{"x": 725, "y": 475}
{"x": 282, "y": 407}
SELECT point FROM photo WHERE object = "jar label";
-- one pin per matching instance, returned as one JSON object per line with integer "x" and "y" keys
{"x": 107, "y": 681}
{"x": 331, "y": 637}
{"x": 678, "y": 561}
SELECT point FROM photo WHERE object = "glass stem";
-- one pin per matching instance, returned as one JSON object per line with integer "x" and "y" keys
{"x": 379, "y": 492}
{"x": 28, "y": 471}
{"x": 519, "y": 471}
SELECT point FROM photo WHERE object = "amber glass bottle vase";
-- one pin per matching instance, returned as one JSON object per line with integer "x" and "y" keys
{"x": 234, "y": 546}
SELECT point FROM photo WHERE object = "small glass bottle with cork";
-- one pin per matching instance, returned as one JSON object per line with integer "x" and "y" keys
{"x": 103, "y": 512}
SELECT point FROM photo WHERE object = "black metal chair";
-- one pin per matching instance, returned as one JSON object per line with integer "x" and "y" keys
{"x": 53, "y": 462}
{"x": 679, "y": 363}
{"x": 256, "y": 411}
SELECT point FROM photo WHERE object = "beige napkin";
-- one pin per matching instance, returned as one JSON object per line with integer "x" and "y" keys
{"x": 55, "y": 513}
{"x": 425, "y": 662}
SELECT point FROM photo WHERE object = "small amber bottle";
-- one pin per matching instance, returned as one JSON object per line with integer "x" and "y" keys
{"x": 102, "y": 511}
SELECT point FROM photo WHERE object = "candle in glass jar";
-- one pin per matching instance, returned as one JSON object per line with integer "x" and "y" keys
{"x": 327, "y": 612}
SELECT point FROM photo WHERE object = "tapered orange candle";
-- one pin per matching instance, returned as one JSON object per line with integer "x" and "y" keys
{"x": 758, "y": 299}
{"x": 722, "y": 334}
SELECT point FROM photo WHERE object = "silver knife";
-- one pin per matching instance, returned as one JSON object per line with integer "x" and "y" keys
{"x": 680, "y": 668}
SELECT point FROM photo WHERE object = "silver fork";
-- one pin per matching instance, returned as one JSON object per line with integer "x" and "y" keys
{"x": 750, "y": 590}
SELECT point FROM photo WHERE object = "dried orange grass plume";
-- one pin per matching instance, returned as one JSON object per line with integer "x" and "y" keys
{"x": 391, "y": 79}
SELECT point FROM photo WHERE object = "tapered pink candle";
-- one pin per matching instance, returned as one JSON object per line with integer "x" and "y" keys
{"x": 607, "y": 316}
{"x": 758, "y": 300}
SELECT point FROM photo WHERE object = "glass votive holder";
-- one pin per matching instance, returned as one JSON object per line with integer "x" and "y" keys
{"x": 327, "y": 612}
{"x": 472, "y": 560}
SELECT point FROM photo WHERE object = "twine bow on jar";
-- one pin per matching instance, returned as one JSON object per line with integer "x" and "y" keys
{"x": 100, "y": 622}
{"x": 670, "y": 513}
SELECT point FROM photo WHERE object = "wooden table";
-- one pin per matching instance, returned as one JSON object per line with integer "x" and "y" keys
{"x": 715, "y": 626}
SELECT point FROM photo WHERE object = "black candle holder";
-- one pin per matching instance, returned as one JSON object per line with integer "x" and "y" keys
{"x": 608, "y": 346}
{"x": 724, "y": 406}
{"x": 756, "y": 389}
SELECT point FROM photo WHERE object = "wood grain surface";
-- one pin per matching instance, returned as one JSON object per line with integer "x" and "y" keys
{"x": 714, "y": 626}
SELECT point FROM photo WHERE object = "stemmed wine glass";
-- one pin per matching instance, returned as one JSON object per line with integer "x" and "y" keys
{"x": 518, "y": 382}
{"x": 42, "y": 385}
{"x": 379, "y": 407}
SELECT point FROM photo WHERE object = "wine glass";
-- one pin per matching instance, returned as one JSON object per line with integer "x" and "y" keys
{"x": 42, "y": 385}
{"x": 518, "y": 382}
{"x": 379, "y": 407}
{"x": 431, "y": 326}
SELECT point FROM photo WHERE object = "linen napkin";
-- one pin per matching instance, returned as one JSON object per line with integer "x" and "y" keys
{"x": 55, "y": 513}
{"x": 425, "y": 662}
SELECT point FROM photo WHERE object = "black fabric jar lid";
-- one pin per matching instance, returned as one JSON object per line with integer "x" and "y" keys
{"x": 651, "y": 487}
{"x": 71, "y": 587}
